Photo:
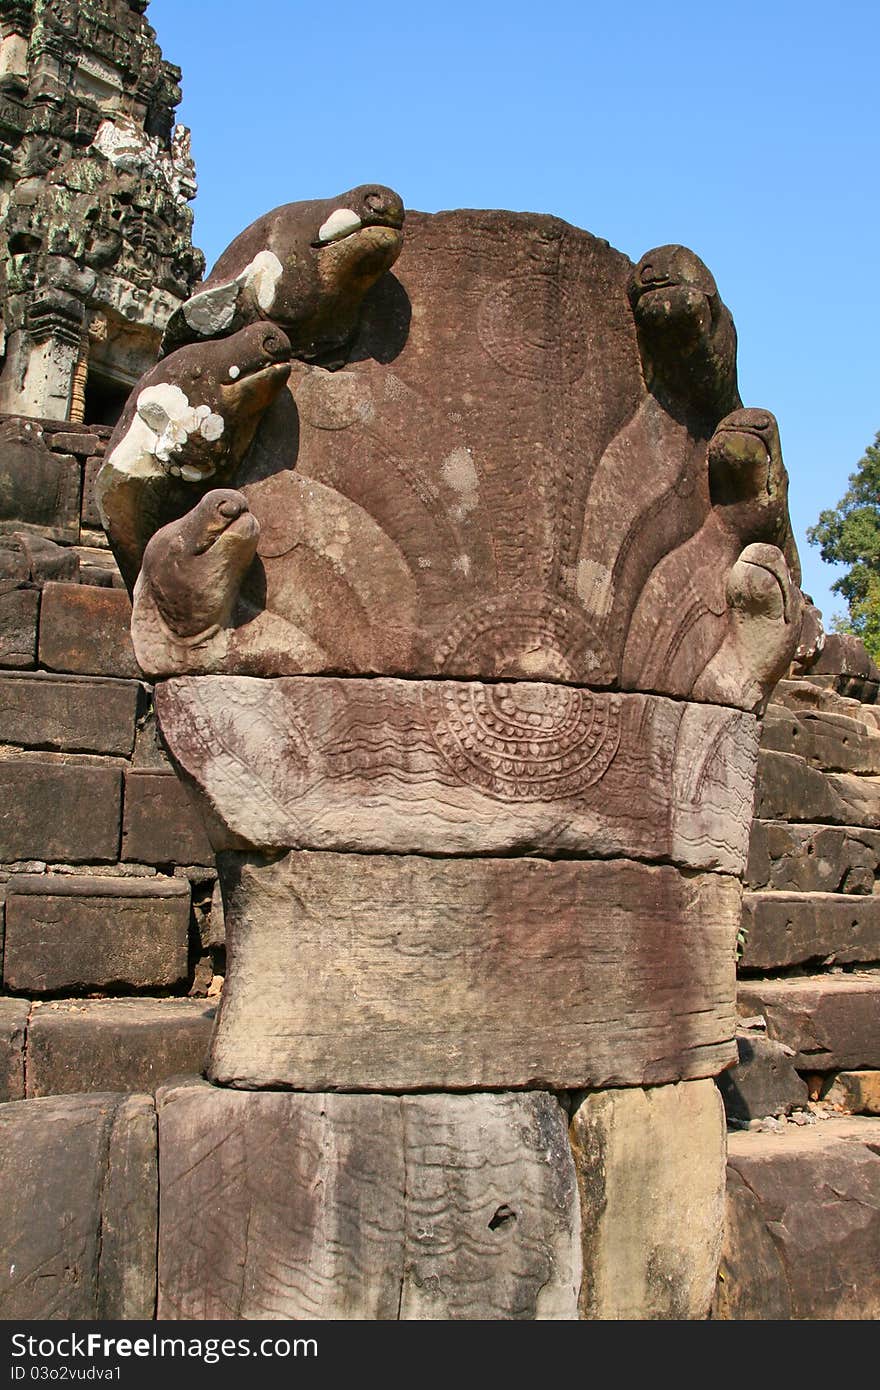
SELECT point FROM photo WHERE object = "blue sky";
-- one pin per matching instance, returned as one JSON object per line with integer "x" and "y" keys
{"x": 748, "y": 131}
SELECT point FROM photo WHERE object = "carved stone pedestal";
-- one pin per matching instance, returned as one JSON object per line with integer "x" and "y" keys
{"x": 460, "y": 638}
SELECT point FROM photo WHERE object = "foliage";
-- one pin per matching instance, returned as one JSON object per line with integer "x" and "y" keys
{"x": 849, "y": 534}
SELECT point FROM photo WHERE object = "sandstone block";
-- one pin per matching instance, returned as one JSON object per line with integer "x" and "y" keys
{"x": 69, "y": 713}
{"x": 650, "y": 1168}
{"x": 78, "y": 1216}
{"x": 133, "y": 1044}
{"x": 39, "y": 487}
{"x": 444, "y": 767}
{"x": 792, "y": 928}
{"x": 91, "y": 517}
{"x": 812, "y": 858}
{"x": 286, "y": 1206}
{"x": 831, "y": 1021}
{"x": 13, "y": 1033}
{"x": 833, "y": 742}
{"x": 857, "y": 1092}
{"x": 844, "y": 654}
{"x": 386, "y": 972}
{"x": 85, "y": 629}
{"x": 19, "y": 610}
{"x": 763, "y": 1082}
{"x": 788, "y": 789}
{"x": 60, "y": 811}
{"x": 76, "y": 933}
{"x": 802, "y": 1232}
{"x": 160, "y": 822}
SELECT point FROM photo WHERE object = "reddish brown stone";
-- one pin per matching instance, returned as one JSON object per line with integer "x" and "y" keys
{"x": 802, "y": 1236}
{"x": 84, "y": 629}
{"x": 19, "y": 611}
{"x": 37, "y": 486}
{"x": 70, "y": 713}
{"x": 792, "y": 928}
{"x": 66, "y": 932}
{"x": 160, "y": 823}
{"x": 65, "y": 812}
{"x": 831, "y": 1021}
{"x": 833, "y": 742}
{"x": 390, "y": 972}
{"x": 763, "y": 1082}
{"x": 131, "y": 1044}
{"x": 788, "y": 789}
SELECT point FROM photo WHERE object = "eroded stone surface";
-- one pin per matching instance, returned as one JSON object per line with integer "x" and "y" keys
{"x": 857, "y": 1092}
{"x": 389, "y": 972}
{"x": 650, "y": 1167}
{"x": 78, "y": 1217}
{"x": 64, "y": 712}
{"x": 65, "y": 812}
{"x": 463, "y": 768}
{"x": 341, "y": 1206}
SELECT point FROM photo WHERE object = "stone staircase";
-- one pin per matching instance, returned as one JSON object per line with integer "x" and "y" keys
{"x": 110, "y": 930}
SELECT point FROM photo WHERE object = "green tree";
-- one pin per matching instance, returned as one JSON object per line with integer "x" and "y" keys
{"x": 849, "y": 534}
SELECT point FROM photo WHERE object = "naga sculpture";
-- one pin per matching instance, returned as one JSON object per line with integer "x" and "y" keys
{"x": 463, "y": 612}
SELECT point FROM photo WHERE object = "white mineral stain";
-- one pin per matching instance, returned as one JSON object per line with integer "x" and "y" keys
{"x": 212, "y": 311}
{"x": 458, "y": 472}
{"x": 234, "y": 373}
{"x": 462, "y": 563}
{"x": 160, "y": 430}
{"x": 339, "y": 224}
{"x": 262, "y": 275}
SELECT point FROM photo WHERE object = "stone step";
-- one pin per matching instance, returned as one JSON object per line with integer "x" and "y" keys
{"x": 792, "y": 928}
{"x": 789, "y": 789}
{"x": 131, "y": 1044}
{"x": 69, "y": 932}
{"x": 832, "y": 1022}
{"x": 812, "y": 858}
{"x": 69, "y": 713}
{"x": 802, "y": 1237}
{"x": 833, "y": 742}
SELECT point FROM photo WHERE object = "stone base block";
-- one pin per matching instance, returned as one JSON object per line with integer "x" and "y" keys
{"x": 832, "y": 1022}
{"x": 78, "y": 1215}
{"x": 650, "y": 1167}
{"x": 76, "y": 933}
{"x": 399, "y": 973}
{"x": 802, "y": 1236}
{"x": 789, "y": 789}
{"x": 287, "y": 1206}
{"x": 131, "y": 1044}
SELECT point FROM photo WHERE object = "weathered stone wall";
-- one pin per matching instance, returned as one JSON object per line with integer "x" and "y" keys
{"x": 106, "y": 874}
